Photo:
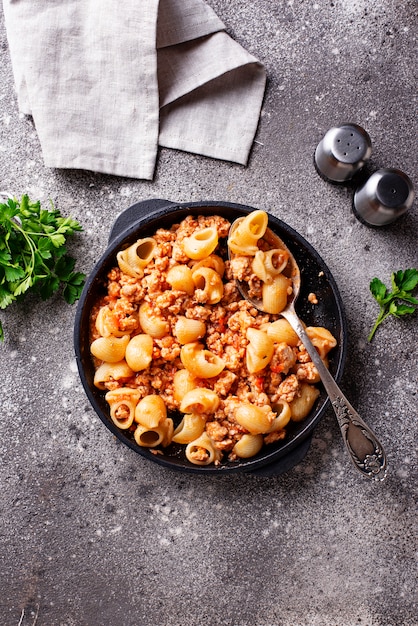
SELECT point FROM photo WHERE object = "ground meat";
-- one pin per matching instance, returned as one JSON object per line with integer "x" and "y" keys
{"x": 125, "y": 314}
{"x": 133, "y": 292}
{"x": 122, "y": 412}
{"x": 162, "y": 263}
{"x": 114, "y": 289}
{"x": 163, "y": 236}
{"x": 164, "y": 300}
{"x": 240, "y": 321}
{"x": 162, "y": 254}
{"x": 233, "y": 357}
{"x": 273, "y": 437}
{"x": 153, "y": 281}
{"x": 216, "y": 431}
{"x": 199, "y": 454}
{"x": 143, "y": 384}
{"x": 169, "y": 348}
{"x": 197, "y": 312}
{"x": 288, "y": 389}
{"x": 178, "y": 255}
{"x": 240, "y": 268}
{"x": 231, "y": 293}
{"x": 272, "y": 382}
{"x": 228, "y": 408}
{"x": 284, "y": 358}
{"x": 302, "y": 355}
{"x": 225, "y": 445}
{"x": 250, "y": 390}
{"x": 307, "y": 372}
{"x": 255, "y": 288}
{"x": 224, "y": 383}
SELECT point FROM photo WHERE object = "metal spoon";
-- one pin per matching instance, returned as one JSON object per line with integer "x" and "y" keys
{"x": 364, "y": 448}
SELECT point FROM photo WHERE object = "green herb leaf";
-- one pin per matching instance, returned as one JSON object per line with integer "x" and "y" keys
{"x": 13, "y": 273}
{"x": 49, "y": 286}
{"x": 6, "y": 298}
{"x": 403, "y": 309}
{"x": 393, "y": 302}
{"x": 33, "y": 255}
{"x": 57, "y": 240}
{"x": 23, "y": 286}
{"x": 74, "y": 287}
{"x": 378, "y": 289}
{"x": 64, "y": 267}
{"x": 409, "y": 280}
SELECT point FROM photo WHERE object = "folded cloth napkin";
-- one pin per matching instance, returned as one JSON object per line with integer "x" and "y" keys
{"x": 106, "y": 82}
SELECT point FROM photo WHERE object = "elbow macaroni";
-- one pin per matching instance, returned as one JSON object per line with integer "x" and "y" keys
{"x": 189, "y": 429}
{"x": 199, "y": 400}
{"x": 180, "y": 277}
{"x": 185, "y": 363}
{"x": 122, "y": 402}
{"x": 138, "y": 352}
{"x": 275, "y": 293}
{"x": 189, "y": 331}
{"x": 132, "y": 260}
{"x": 199, "y": 362}
{"x": 202, "y": 451}
{"x": 259, "y": 350}
{"x": 244, "y": 239}
{"x": 209, "y": 285}
{"x": 201, "y": 244}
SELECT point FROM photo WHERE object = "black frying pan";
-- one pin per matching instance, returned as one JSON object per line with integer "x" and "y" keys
{"x": 143, "y": 219}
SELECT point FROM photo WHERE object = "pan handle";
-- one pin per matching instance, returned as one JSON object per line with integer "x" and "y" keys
{"x": 130, "y": 215}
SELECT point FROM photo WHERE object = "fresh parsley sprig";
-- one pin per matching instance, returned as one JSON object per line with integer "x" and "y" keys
{"x": 33, "y": 255}
{"x": 398, "y": 301}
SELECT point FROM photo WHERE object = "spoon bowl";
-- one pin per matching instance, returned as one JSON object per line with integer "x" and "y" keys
{"x": 365, "y": 450}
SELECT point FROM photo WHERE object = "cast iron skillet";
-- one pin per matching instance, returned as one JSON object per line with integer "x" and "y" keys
{"x": 143, "y": 219}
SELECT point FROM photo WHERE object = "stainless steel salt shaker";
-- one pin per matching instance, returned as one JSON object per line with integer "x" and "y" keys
{"x": 384, "y": 197}
{"x": 342, "y": 152}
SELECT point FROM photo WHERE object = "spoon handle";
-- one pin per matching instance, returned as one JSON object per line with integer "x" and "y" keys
{"x": 364, "y": 448}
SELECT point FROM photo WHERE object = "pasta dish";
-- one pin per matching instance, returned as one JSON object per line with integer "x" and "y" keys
{"x": 183, "y": 359}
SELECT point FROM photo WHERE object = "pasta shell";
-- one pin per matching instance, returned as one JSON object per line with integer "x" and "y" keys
{"x": 213, "y": 261}
{"x": 111, "y": 371}
{"x": 152, "y": 324}
{"x": 180, "y": 279}
{"x": 200, "y": 362}
{"x": 189, "y": 429}
{"x": 138, "y": 353}
{"x": 200, "y": 400}
{"x": 248, "y": 446}
{"x": 122, "y": 402}
{"x": 201, "y": 243}
{"x": 183, "y": 382}
{"x": 209, "y": 285}
{"x": 188, "y": 330}
{"x": 110, "y": 349}
{"x": 150, "y": 411}
{"x": 149, "y": 437}
{"x": 257, "y": 420}
{"x": 202, "y": 451}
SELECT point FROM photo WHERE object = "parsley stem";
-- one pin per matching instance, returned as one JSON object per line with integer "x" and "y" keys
{"x": 28, "y": 267}
{"x": 380, "y": 318}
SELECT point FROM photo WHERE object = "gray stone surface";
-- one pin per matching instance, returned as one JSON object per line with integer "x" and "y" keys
{"x": 94, "y": 535}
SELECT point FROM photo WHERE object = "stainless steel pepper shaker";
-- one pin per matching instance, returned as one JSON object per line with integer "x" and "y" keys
{"x": 384, "y": 197}
{"x": 342, "y": 152}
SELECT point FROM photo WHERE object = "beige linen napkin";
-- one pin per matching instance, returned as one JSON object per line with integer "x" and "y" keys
{"x": 106, "y": 82}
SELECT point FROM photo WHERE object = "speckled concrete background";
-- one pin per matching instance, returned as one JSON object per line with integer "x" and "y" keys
{"x": 94, "y": 535}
